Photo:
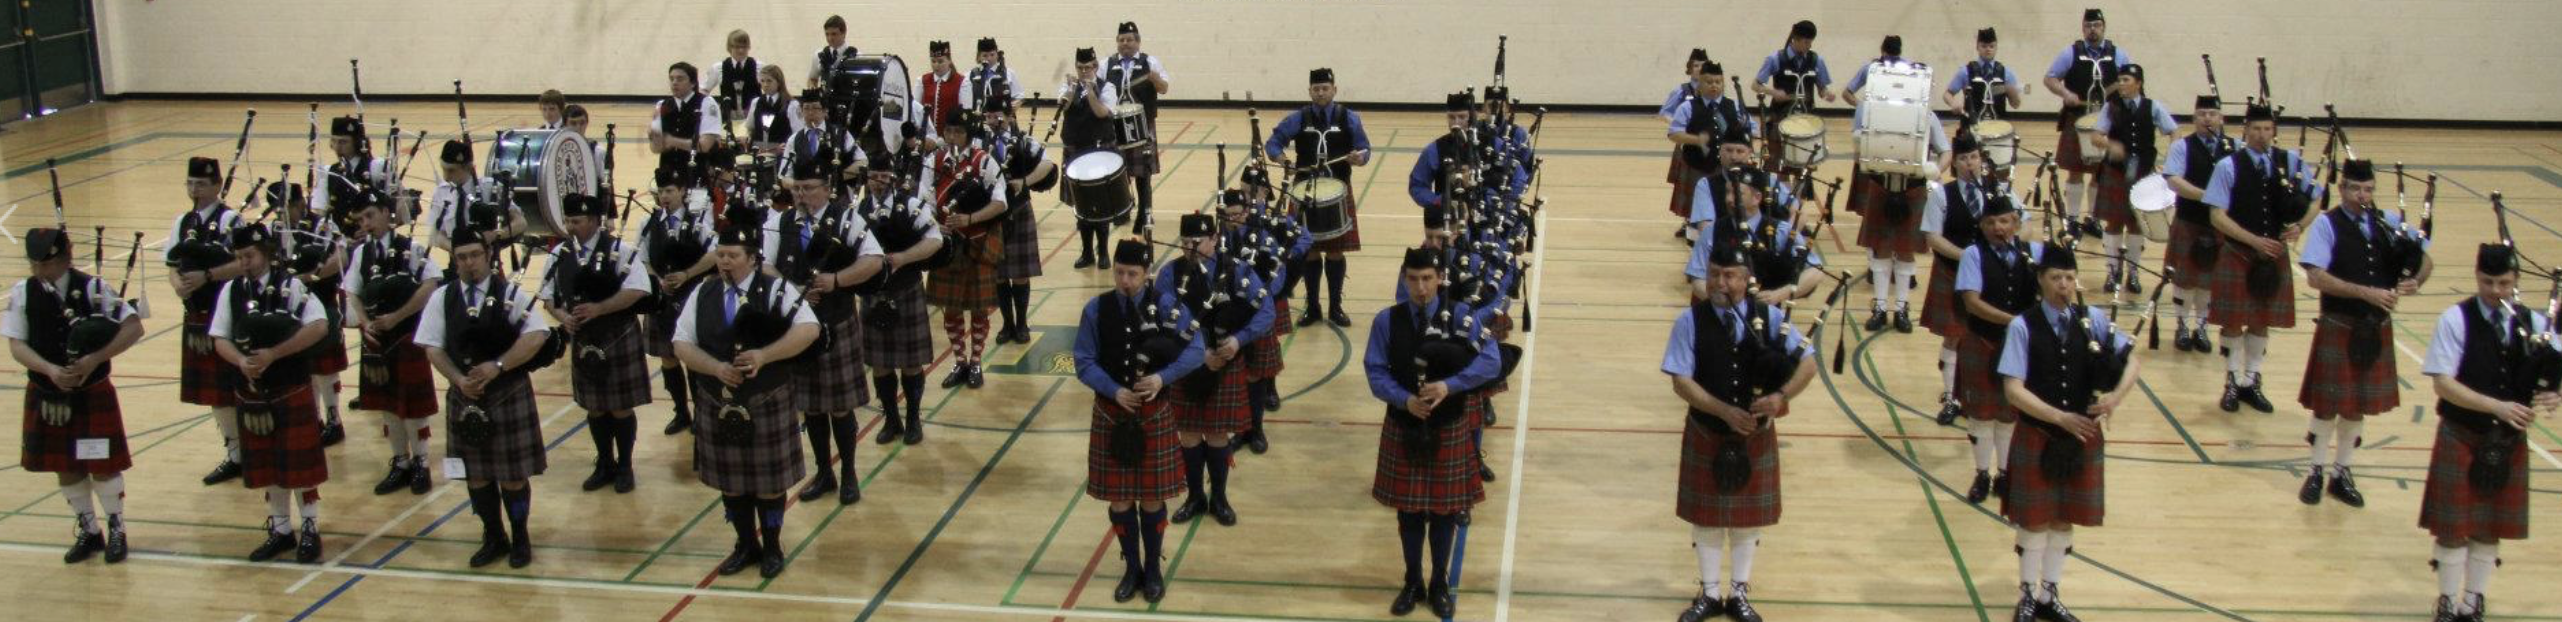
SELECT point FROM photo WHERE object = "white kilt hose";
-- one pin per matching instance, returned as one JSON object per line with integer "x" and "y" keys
{"x": 830, "y": 374}
{"x": 512, "y": 447}
{"x": 768, "y": 460}
{"x": 607, "y": 369}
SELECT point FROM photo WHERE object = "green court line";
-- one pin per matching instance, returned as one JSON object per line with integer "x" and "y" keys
{"x": 350, "y": 534}
{"x": 949, "y": 513}
{"x": 2184, "y": 436}
{"x": 896, "y": 450}
{"x": 670, "y": 541}
{"x": 1074, "y": 496}
{"x": 1868, "y": 371}
{"x": 1179, "y": 549}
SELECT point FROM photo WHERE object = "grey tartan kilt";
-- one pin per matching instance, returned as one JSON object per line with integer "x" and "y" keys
{"x": 907, "y": 343}
{"x": 609, "y": 374}
{"x": 1022, "y": 259}
{"x": 830, "y": 374}
{"x": 769, "y": 463}
{"x": 514, "y": 450}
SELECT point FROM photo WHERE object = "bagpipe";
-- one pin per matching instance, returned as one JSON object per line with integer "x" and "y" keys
{"x": 2538, "y": 373}
{"x": 676, "y": 240}
{"x": 893, "y": 214}
{"x": 1157, "y": 338}
{"x": 1768, "y": 366}
{"x": 1223, "y": 299}
{"x": 593, "y": 279}
{"x": 90, "y": 329}
{"x": 1447, "y": 345}
{"x": 762, "y": 318}
{"x": 484, "y": 334}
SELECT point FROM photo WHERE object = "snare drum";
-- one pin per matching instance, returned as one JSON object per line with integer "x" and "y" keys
{"x": 1803, "y": 135}
{"x": 2088, "y": 128}
{"x": 540, "y": 166}
{"x": 1099, "y": 186}
{"x": 2152, "y": 199}
{"x": 2000, "y": 141}
{"x": 1130, "y": 120}
{"x": 1320, "y": 201}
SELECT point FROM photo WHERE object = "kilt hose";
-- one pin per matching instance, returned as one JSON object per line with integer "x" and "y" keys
{"x": 513, "y": 450}
{"x": 92, "y": 413}
{"x": 768, "y": 460}
{"x": 2451, "y": 507}
{"x": 288, "y": 454}
{"x": 2037, "y": 500}
{"x": 1703, "y": 503}
{"x": 1157, "y": 476}
{"x": 1441, "y": 483}
{"x": 2235, "y": 307}
{"x": 612, "y": 374}
{"x": 2335, "y": 384}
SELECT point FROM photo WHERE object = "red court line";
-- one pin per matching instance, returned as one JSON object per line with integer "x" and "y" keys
{"x": 1087, "y": 575}
{"x": 1062, "y": 245}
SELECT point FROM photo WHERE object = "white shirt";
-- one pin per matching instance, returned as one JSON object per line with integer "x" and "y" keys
{"x": 431, "y": 320}
{"x": 355, "y": 268}
{"x": 709, "y": 121}
{"x": 441, "y": 213}
{"x": 13, "y": 320}
{"x": 783, "y": 292}
{"x": 635, "y": 277}
{"x": 697, "y": 211}
{"x": 850, "y": 229}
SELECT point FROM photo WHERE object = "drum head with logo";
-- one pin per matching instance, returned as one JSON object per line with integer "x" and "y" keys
{"x": 540, "y": 166}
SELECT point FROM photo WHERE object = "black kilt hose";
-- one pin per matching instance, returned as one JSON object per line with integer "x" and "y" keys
{"x": 1941, "y": 306}
{"x": 289, "y": 455}
{"x": 2235, "y": 307}
{"x": 396, "y": 378}
{"x": 2187, "y": 270}
{"x": 94, "y": 414}
{"x": 1442, "y": 483}
{"x": 2451, "y": 507}
{"x": 1979, "y": 385}
{"x": 200, "y": 370}
{"x": 969, "y": 282}
{"x": 1703, "y": 503}
{"x": 513, "y": 449}
{"x": 1157, "y": 476}
{"x": 607, "y": 371}
{"x": 768, "y": 462}
{"x": 1022, "y": 246}
{"x": 909, "y": 340}
{"x": 2336, "y": 384}
{"x": 1880, "y": 231}
{"x": 1226, "y": 409}
{"x": 830, "y": 374}
{"x": 2037, "y": 500}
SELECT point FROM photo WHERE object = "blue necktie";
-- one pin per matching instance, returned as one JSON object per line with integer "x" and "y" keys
{"x": 729, "y": 305}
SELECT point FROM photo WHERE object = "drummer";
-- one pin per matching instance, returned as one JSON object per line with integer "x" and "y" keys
{"x": 1085, "y": 126}
{"x": 1793, "y": 71}
{"x": 2131, "y": 128}
{"x": 554, "y": 107}
{"x": 738, "y": 74}
{"x": 686, "y": 120}
{"x": 1705, "y": 119}
{"x": 463, "y": 195}
{"x": 1890, "y": 218}
{"x": 1141, "y": 78}
{"x": 772, "y": 116}
{"x": 1326, "y": 140}
{"x": 2081, "y": 72}
{"x": 1985, "y": 89}
{"x": 813, "y": 131}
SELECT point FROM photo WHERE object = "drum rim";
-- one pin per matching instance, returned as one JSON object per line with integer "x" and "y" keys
{"x": 1342, "y": 189}
{"x": 1119, "y": 164}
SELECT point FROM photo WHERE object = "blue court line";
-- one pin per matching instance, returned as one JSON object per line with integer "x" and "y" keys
{"x": 429, "y": 529}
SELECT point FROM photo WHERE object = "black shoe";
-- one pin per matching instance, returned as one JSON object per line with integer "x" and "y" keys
{"x": 521, "y": 556}
{"x": 623, "y": 481}
{"x": 1485, "y": 472}
{"x": 740, "y": 557}
{"x": 849, "y": 493}
{"x": 2001, "y": 485}
{"x": 491, "y": 550}
{"x": 913, "y": 433}
{"x": 1465, "y": 517}
{"x": 1310, "y": 318}
{"x": 1152, "y": 587}
{"x": 597, "y": 480}
{"x": 2256, "y": 396}
{"x": 307, "y": 548}
{"x": 2446, "y": 611}
{"x": 1191, "y": 507}
{"x": 978, "y": 376}
{"x": 681, "y": 423}
{"x": 332, "y": 432}
{"x": 819, "y": 486}
{"x": 2311, "y": 493}
{"x": 1220, "y": 511}
{"x": 420, "y": 481}
{"x": 1406, "y": 598}
{"x": 1740, "y": 608}
{"x": 2054, "y": 610}
{"x": 890, "y": 430}
{"x": 1127, "y": 589}
{"x": 772, "y": 566}
{"x": 2110, "y": 286}
{"x": 116, "y": 546}
{"x": 1271, "y": 402}
{"x": 958, "y": 375}
{"x": 1702, "y": 608}
{"x": 1340, "y": 320}
{"x": 1904, "y": 321}
{"x": 1444, "y": 604}
{"x": 1084, "y": 260}
{"x": 2479, "y": 608}
{"x": 2134, "y": 282}
{"x": 276, "y": 544}
{"x": 1982, "y": 488}
{"x": 227, "y": 471}
{"x": 2028, "y": 610}
{"x": 2232, "y": 400}
{"x": 1876, "y": 320}
{"x": 397, "y": 478}
{"x": 2344, "y": 488}
{"x": 87, "y": 544}
{"x": 1255, "y": 442}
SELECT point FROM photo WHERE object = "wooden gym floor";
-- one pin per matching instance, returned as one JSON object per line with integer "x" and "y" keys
{"x": 987, "y": 520}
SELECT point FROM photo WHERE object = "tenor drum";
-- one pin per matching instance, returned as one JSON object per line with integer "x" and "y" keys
{"x": 2088, "y": 128}
{"x": 1321, "y": 206}
{"x": 1803, "y": 140}
{"x": 872, "y": 94}
{"x": 1130, "y": 120}
{"x": 2152, "y": 199}
{"x": 2000, "y": 141}
{"x": 538, "y": 167}
{"x": 1099, "y": 184}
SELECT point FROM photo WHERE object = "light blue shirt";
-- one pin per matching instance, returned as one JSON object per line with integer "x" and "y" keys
{"x": 2319, "y": 238}
{"x": 1970, "y": 269}
{"x": 2446, "y": 349}
{"x": 2014, "y": 363}
{"x": 2064, "y": 61}
{"x": 1787, "y": 239}
{"x": 1089, "y": 347}
{"x": 1679, "y": 360}
{"x": 2219, "y": 190}
{"x": 1383, "y": 383}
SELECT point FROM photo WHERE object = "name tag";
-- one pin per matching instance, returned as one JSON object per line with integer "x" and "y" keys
{"x": 89, "y": 449}
{"x": 454, "y": 469}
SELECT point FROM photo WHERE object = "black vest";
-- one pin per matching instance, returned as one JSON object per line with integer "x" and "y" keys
{"x": 2134, "y": 127}
{"x": 1132, "y": 86}
{"x": 1775, "y": 256}
{"x": 2204, "y": 150}
{"x": 198, "y": 226}
{"x": 2494, "y": 369}
{"x": 1406, "y": 336}
{"x": 1793, "y": 69}
{"x": 2256, "y": 198}
{"x": 893, "y": 224}
{"x": 1119, "y": 331}
{"x": 2079, "y": 77}
{"x": 2010, "y": 287}
{"x": 2058, "y": 367}
{"x": 1195, "y": 285}
{"x": 1961, "y": 223}
{"x": 722, "y": 338}
{"x": 773, "y": 121}
{"x": 1711, "y": 119}
{"x": 286, "y": 373}
{"x": 1720, "y": 363}
{"x": 1984, "y": 80}
{"x": 665, "y": 240}
{"x": 49, "y": 318}
{"x": 800, "y": 263}
{"x": 990, "y": 81}
{"x": 738, "y": 83}
{"x": 1330, "y": 122}
{"x": 2360, "y": 260}
{"x": 681, "y": 119}
{"x": 482, "y": 333}
{"x": 591, "y": 278}
{"x": 1079, "y": 128}
{"x": 827, "y": 60}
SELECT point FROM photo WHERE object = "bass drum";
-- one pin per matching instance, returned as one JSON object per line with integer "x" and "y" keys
{"x": 1896, "y": 105}
{"x": 537, "y": 168}
{"x": 872, "y": 93}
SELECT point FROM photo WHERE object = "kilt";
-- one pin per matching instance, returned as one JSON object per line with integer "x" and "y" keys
{"x": 831, "y": 378}
{"x": 1756, "y": 504}
{"x": 2068, "y": 144}
{"x": 2036, "y": 501}
{"x": 1684, "y": 180}
{"x": 909, "y": 342}
{"x": 1227, "y": 410}
{"x": 1877, "y": 232}
{"x": 200, "y": 370}
{"x": 1281, "y": 317}
{"x": 2114, "y": 208}
{"x": 1979, "y": 385}
{"x": 2234, "y": 306}
{"x": 1940, "y": 304}
{"x": 2451, "y": 508}
{"x": 2334, "y": 385}
{"x": 2184, "y": 238}
{"x": 1444, "y": 484}
{"x": 289, "y": 456}
{"x": 1263, "y": 358}
{"x": 770, "y": 462}
{"x": 409, "y": 389}
{"x": 1159, "y": 474}
{"x": 970, "y": 281}
{"x": 514, "y": 450}
{"x": 94, "y": 414}
{"x": 615, "y": 379}
{"x": 329, "y": 356}
{"x": 1022, "y": 247}
{"x": 662, "y": 322}
{"x": 1350, "y": 241}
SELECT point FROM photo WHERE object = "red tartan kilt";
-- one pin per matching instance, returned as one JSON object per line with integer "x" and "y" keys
{"x": 1227, "y": 410}
{"x": 1159, "y": 474}
{"x": 2068, "y": 145}
{"x": 2114, "y": 209}
{"x": 2449, "y": 505}
{"x": 2036, "y": 502}
{"x": 1756, "y": 504}
{"x": 969, "y": 282}
{"x": 1876, "y": 232}
{"x": 2335, "y": 385}
{"x": 200, "y": 370}
{"x": 1263, "y": 359}
{"x": 410, "y": 389}
{"x": 2233, "y": 304}
{"x": 330, "y": 356}
{"x": 1979, "y": 385}
{"x": 95, "y": 414}
{"x": 1443, "y": 483}
{"x": 1281, "y": 316}
{"x": 2184, "y": 271}
{"x": 290, "y": 455}
{"x": 1939, "y": 305}
{"x": 1684, "y": 181}
{"x": 1350, "y": 241}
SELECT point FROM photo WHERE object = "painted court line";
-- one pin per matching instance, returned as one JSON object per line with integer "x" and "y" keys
{"x": 396, "y": 520}
{"x": 1520, "y": 437}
